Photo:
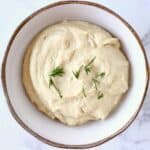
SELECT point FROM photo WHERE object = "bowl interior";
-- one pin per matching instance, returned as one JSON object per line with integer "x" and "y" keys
{"x": 56, "y": 131}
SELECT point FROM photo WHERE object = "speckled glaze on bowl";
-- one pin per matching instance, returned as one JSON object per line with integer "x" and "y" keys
{"x": 55, "y": 133}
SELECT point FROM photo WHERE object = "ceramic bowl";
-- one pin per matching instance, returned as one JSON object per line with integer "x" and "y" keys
{"x": 53, "y": 132}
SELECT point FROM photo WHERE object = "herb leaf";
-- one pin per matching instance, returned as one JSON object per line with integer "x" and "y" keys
{"x": 101, "y": 75}
{"x": 51, "y": 83}
{"x": 77, "y": 73}
{"x": 100, "y": 95}
{"x": 83, "y": 91}
{"x": 95, "y": 81}
{"x": 87, "y": 67}
{"x": 58, "y": 71}
{"x": 91, "y": 61}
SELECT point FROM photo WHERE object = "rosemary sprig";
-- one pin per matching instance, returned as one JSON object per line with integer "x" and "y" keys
{"x": 101, "y": 75}
{"x": 87, "y": 67}
{"x": 100, "y": 95}
{"x": 77, "y": 73}
{"x": 51, "y": 83}
{"x": 83, "y": 91}
{"x": 58, "y": 71}
{"x": 95, "y": 81}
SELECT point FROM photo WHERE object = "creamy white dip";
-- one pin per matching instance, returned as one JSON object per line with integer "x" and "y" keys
{"x": 71, "y": 46}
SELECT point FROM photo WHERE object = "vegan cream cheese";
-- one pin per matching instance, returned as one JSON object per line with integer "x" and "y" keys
{"x": 75, "y": 71}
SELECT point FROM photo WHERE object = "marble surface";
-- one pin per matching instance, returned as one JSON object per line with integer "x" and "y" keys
{"x": 13, "y": 137}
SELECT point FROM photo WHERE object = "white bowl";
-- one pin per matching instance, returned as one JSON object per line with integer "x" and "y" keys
{"x": 55, "y": 133}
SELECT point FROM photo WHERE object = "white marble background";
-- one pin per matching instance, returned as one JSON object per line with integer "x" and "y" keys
{"x": 13, "y": 137}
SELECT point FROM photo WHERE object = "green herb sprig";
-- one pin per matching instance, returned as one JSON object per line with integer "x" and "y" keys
{"x": 51, "y": 83}
{"x": 100, "y": 95}
{"x": 77, "y": 73}
{"x": 95, "y": 81}
{"x": 58, "y": 71}
{"x": 83, "y": 91}
{"x": 101, "y": 75}
{"x": 87, "y": 67}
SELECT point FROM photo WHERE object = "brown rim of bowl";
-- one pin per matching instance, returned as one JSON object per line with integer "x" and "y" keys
{"x": 16, "y": 117}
